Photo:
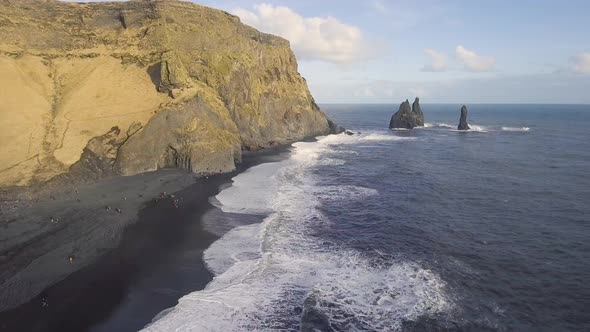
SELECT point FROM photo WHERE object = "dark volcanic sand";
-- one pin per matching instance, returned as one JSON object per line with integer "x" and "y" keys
{"x": 158, "y": 261}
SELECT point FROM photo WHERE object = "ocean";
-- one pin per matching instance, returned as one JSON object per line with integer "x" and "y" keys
{"x": 410, "y": 230}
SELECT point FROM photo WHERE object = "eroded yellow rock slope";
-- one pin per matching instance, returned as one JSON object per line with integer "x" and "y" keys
{"x": 122, "y": 88}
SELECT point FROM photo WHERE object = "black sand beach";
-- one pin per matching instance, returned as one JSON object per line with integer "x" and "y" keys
{"x": 157, "y": 261}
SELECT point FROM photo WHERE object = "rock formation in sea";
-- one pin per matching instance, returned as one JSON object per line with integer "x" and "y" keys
{"x": 463, "y": 125}
{"x": 120, "y": 88}
{"x": 334, "y": 128}
{"x": 406, "y": 117}
{"x": 417, "y": 110}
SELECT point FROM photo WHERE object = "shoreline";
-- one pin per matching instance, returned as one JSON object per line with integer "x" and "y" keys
{"x": 103, "y": 294}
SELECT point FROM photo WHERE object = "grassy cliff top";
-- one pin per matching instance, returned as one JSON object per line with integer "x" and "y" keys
{"x": 46, "y": 25}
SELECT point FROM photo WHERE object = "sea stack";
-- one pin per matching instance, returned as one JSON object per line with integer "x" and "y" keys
{"x": 463, "y": 125}
{"x": 406, "y": 117}
{"x": 418, "y": 112}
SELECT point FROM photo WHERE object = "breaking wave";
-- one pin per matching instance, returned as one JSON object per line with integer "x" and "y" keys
{"x": 438, "y": 125}
{"x": 477, "y": 128}
{"x": 280, "y": 275}
{"x": 385, "y": 137}
{"x": 516, "y": 128}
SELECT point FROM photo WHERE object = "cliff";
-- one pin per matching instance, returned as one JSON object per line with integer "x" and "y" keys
{"x": 94, "y": 89}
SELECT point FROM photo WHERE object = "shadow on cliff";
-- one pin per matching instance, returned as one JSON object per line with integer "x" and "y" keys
{"x": 155, "y": 74}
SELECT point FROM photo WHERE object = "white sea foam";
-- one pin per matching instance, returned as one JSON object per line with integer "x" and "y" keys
{"x": 385, "y": 137}
{"x": 477, "y": 128}
{"x": 268, "y": 275}
{"x": 444, "y": 125}
{"x": 437, "y": 125}
{"x": 234, "y": 198}
{"x": 343, "y": 139}
{"x": 343, "y": 192}
{"x": 516, "y": 128}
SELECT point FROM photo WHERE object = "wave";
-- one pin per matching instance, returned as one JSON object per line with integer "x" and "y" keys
{"x": 385, "y": 137}
{"x": 474, "y": 128}
{"x": 444, "y": 125}
{"x": 343, "y": 139}
{"x": 278, "y": 275}
{"x": 233, "y": 199}
{"x": 516, "y": 128}
{"x": 438, "y": 125}
{"x": 477, "y": 128}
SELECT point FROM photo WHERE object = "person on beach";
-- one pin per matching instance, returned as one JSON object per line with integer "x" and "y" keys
{"x": 44, "y": 300}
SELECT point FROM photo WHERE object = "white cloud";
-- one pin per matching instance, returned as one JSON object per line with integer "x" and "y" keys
{"x": 474, "y": 62}
{"x": 312, "y": 38}
{"x": 438, "y": 61}
{"x": 581, "y": 63}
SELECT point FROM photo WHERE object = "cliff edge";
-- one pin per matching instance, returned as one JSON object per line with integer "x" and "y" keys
{"x": 95, "y": 89}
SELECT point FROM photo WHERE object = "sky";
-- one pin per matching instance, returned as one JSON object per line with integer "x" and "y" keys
{"x": 452, "y": 51}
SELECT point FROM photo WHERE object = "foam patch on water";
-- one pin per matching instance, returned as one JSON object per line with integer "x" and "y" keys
{"x": 239, "y": 244}
{"x": 473, "y": 128}
{"x": 342, "y": 139}
{"x": 516, "y": 128}
{"x": 278, "y": 275}
{"x": 438, "y": 125}
{"x": 235, "y": 198}
{"x": 385, "y": 137}
{"x": 343, "y": 192}
{"x": 477, "y": 128}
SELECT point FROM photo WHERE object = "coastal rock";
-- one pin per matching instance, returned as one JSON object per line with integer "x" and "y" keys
{"x": 417, "y": 110}
{"x": 406, "y": 117}
{"x": 187, "y": 146}
{"x": 98, "y": 157}
{"x": 334, "y": 128}
{"x": 463, "y": 125}
{"x": 202, "y": 86}
{"x": 173, "y": 74}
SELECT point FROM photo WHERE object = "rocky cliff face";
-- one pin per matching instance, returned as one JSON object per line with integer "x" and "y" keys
{"x": 128, "y": 87}
{"x": 463, "y": 125}
{"x": 406, "y": 117}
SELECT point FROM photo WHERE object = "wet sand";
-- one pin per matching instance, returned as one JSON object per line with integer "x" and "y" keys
{"x": 123, "y": 272}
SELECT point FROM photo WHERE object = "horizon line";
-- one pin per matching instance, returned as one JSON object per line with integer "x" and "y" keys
{"x": 453, "y": 103}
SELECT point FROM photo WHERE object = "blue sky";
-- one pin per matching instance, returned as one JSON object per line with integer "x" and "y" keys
{"x": 477, "y": 51}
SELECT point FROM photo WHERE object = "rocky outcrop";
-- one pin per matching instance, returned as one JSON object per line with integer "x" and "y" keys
{"x": 463, "y": 125}
{"x": 184, "y": 85}
{"x": 334, "y": 128}
{"x": 406, "y": 117}
{"x": 417, "y": 110}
